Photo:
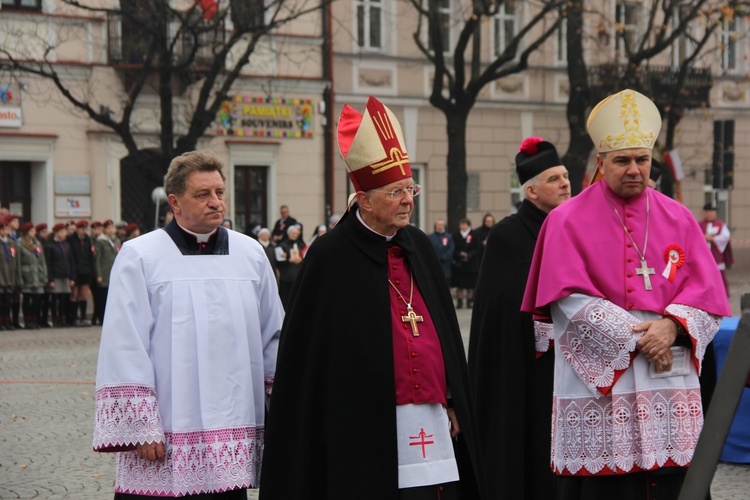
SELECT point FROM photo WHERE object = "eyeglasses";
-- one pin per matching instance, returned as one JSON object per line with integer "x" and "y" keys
{"x": 398, "y": 194}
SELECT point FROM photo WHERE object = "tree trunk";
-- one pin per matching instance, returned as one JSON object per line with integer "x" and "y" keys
{"x": 457, "y": 177}
{"x": 139, "y": 175}
{"x": 673, "y": 117}
{"x": 579, "y": 149}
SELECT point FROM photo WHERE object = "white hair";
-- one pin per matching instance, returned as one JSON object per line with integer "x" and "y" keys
{"x": 531, "y": 182}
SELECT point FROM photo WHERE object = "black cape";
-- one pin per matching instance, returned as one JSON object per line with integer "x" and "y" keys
{"x": 331, "y": 430}
{"x": 512, "y": 388}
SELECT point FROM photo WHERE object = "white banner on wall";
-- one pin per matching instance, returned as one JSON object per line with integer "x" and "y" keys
{"x": 73, "y": 206}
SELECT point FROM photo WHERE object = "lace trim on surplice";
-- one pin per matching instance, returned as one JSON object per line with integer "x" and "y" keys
{"x": 126, "y": 415}
{"x": 629, "y": 432}
{"x": 701, "y": 327}
{"x": 598, "y": 341}
{"x": 208, "y": 461}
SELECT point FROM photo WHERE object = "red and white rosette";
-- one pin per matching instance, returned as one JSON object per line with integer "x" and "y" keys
{"x": 675, "y": 258}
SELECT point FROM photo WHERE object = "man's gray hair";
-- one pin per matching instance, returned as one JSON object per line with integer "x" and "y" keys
{"x": 531, "y": 182}
{"x": 182, "y": 166}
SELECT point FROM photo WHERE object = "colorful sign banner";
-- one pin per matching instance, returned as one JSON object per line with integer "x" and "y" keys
{"x": 266, "y": 117}
{"x": 10, "y": 117}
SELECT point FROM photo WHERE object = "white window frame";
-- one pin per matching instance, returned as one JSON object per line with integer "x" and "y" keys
{"x": 498, "y": 25}
{"x": 368, "y": 6}
{"x": 448, "y": 11}
{"x": 620, "y": 16}
{"x": 683, "y": 47}
{"x": 516, "y": 192}
{"x": 729, "y": 37}
{"x": 419, "y": 173}
{"x": 561, "y": 48}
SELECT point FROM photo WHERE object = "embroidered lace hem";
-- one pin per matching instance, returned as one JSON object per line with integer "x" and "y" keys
{"x": 209, "y": 461}
{"x": 544, "y": 335}
{"x": 126, "y": 415}
{"x": 625, "y": 433}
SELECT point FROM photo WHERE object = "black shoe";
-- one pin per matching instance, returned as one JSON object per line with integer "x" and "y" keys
{"x": 44, "y": 324}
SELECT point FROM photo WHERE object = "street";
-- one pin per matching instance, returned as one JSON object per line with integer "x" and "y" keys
{"x": 47, "y": 416}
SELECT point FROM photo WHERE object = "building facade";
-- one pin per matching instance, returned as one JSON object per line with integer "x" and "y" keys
{"x": 58, "y": 163}
{"x": 375, "y": 54}
{"x": 276, "y": 132}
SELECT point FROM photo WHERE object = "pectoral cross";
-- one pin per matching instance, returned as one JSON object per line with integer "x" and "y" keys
{"x": 412, "y": 318}
{"x": 644, "y": 271}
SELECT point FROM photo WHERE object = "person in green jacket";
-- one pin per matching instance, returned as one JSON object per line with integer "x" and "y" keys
{"x": 32, "y": 275}
{"x": 8, "y": 273}
{"x": 107, "y": 246}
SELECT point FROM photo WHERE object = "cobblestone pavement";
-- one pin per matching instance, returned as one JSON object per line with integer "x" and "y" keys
{"x": 47, "y": 407}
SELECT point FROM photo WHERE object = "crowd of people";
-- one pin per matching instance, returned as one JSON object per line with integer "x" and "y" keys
{"x": 48, "y": 274}
{"x": 460, "y": 254}
{"x": 337, "y": 366}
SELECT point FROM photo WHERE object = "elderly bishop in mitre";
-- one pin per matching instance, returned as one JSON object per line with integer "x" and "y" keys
{"x": 371, "y": 397}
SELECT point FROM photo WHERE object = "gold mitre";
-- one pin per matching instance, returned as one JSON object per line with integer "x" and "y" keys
{"x": 625, "y": 120}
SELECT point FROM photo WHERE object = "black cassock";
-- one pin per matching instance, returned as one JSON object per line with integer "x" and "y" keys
{"x": 511, "y": 386}
{"x": 331, "y": 430}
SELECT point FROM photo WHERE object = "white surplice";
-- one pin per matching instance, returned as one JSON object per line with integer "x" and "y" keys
{"x": 187, "y": 357}
{"x": 641, "y": 421}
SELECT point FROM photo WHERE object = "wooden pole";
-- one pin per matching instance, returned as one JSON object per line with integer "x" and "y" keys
{"x": 721, "y": 411}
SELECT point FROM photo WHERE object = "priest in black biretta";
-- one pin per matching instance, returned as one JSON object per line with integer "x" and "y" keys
{"x": 533, "y": 158}
{"x": 511, "y": 366}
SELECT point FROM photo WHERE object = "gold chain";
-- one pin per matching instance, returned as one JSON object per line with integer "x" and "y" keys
{"x": 411, "y": 289}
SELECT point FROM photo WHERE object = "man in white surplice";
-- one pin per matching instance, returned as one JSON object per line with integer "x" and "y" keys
{"x": 188, "y": 349}
{"x": 624, "y": 275}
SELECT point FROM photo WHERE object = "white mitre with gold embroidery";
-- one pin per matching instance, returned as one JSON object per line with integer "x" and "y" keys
{"x": 625, "y": 120}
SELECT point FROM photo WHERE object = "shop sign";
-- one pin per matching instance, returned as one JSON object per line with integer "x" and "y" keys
{"x": 72, "y": 206}
{"x": 10, "y": 117}
{"x": 266, "y": 117}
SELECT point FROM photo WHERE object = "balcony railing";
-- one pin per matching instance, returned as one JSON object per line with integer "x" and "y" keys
{"x": 658, "y": 82}
{"x": 128, "y": 43}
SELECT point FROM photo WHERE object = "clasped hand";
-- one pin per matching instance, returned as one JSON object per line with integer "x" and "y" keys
{"x": 150, "y": 451}
{"x": 656, "y": 342}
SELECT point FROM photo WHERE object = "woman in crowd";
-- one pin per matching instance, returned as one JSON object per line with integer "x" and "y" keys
{"x": 466, "y": 260}
{"x": 33, "y": 275}
{"x": 264, "y": 238}
{"x": 319, "y": 231}
{"x": 61, "y": 273}
{"x": 43, "y": 236}
{"x": 289, "y": 258}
